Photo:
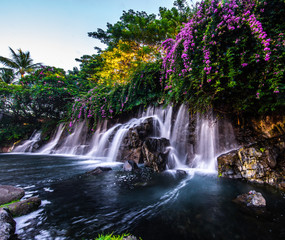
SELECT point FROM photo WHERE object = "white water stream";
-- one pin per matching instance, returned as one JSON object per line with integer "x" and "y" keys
{"x": 211, "y": 137}
{"x": 27, "y": 146}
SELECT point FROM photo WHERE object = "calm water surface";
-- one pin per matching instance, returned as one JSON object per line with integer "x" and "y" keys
{"x": 152, "y": 206}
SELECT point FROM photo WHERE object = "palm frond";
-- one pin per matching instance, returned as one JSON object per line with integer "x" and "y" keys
{"x": 8, "y": 62}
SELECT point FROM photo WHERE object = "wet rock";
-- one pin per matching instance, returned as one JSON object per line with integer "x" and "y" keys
{"x": 99, "y": 170}
{"x": 251, "y": 199}
{"x": 155, "y": 153}
{"x": 130, "y": 165}
{"x": 7, "y": 225}
{"x": 262, "y": 163}
{"x": 24, "y": 207}
{"x": 131, "y": 148}
{"x": 181, "y": 173}
{"x": 10, "y": 193}
{"x": 130, "y": 238}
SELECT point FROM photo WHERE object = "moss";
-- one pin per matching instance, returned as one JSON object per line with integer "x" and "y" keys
{"x": 7, "y": 204}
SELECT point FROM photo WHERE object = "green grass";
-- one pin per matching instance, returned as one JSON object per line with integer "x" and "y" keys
{"x": 112, "y": 237}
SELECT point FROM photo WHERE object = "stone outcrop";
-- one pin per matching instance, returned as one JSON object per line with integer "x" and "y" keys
{"x": 10, "y": 193}
{"x": 263, "y": 162}
{"x": 270, "y": 126}
{"x": 251, "y": 199}
{"x": 155, "y": 153}
{"x": 7, "y": 225}
{"x": 131, "y": 149}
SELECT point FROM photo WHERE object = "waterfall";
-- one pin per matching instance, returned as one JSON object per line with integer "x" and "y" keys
{"x": 179, "y": 136}
{"x": 47, "y": 149}
{"x": 74, "y": 144}
{"x": 27, "y": 146}
{"x": 194, "y": 142}
{"x": 214, "y": 136}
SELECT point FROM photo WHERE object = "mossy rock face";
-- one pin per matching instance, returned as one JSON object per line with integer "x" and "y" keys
{"x": 24, "y": 207}
{"x": 262, "y": 163}
{"x": 10, "y": 193}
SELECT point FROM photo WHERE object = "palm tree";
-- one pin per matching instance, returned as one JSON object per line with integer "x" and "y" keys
{"x": 7, "y": 75}
{"x": 21, "y": 62}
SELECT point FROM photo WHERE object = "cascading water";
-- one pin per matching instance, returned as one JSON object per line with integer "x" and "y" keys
{"x": 28, "y": 145}
{"x": 48, "y": 148}
{"x": 211, "y": 137}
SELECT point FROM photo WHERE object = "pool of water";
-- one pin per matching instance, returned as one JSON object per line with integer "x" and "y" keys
{"x": 153, "y": 206}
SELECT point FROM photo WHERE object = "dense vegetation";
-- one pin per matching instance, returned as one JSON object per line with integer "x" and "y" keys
{"x": 227, "y": 55}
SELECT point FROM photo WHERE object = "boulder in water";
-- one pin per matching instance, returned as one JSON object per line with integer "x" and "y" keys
{"x": 24, "y": 207}
{"x": 7, "y": 225}
{"x": 251, "y": 199}
{"x": 99, "y": 170}
{"x": 155, "y": 153}
{"x": 10, "y": 193}
{"x": 130, "y": 165}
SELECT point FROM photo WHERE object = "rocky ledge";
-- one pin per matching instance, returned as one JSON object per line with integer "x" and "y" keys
{"x": 262, "y": 162}
{"x": 11, "y": 206}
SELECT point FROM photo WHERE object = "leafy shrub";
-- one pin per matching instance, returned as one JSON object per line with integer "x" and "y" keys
{"x": 230, "y": 55}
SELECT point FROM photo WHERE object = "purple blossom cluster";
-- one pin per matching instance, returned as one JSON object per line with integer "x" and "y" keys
{"x": 201, "y": 32}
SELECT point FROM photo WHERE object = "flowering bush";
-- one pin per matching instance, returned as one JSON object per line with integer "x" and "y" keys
{"x": 103, "y": 102}
{"x": 230, "y": 54}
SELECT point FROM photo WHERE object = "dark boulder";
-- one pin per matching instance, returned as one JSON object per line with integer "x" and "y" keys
{"x": 131, "y": 148}
{"x": 10, "y": 193}
{"x": 155, "y": 153}
{"x": 99, "y": 170}
{"x": 24, "y": 207}
{"x": 7, "y": 225}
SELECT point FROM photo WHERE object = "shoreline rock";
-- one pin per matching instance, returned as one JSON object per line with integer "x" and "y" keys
{"x": 10, "y": 193}
{"x": 7, "y": 225}
{"x": 262, "y": 163}
{"x": 24, "y": 207}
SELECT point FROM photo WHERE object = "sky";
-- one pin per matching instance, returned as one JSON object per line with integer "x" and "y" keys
{"x": 55, "y": 31}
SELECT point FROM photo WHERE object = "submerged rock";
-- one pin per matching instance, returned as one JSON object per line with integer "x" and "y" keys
{"x": 251, "y": 199}
{"x": 7, "y": 225}
{"x": 130, "y": 165}
{"x": 24, "y": 207}
{"x": 10, "y": 193}
{"x": 130, "y": 238}
{"x": 99, "y": 170}
{"x": 155, "y": 153}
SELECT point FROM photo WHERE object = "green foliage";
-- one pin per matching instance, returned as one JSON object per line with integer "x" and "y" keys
{"x": 104, "y": 102}
{"x": 6, "y": 75}
{"x": 144, "y": 29}
{"x": 111, "y": 237}
{"x": 21, "y": 62}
